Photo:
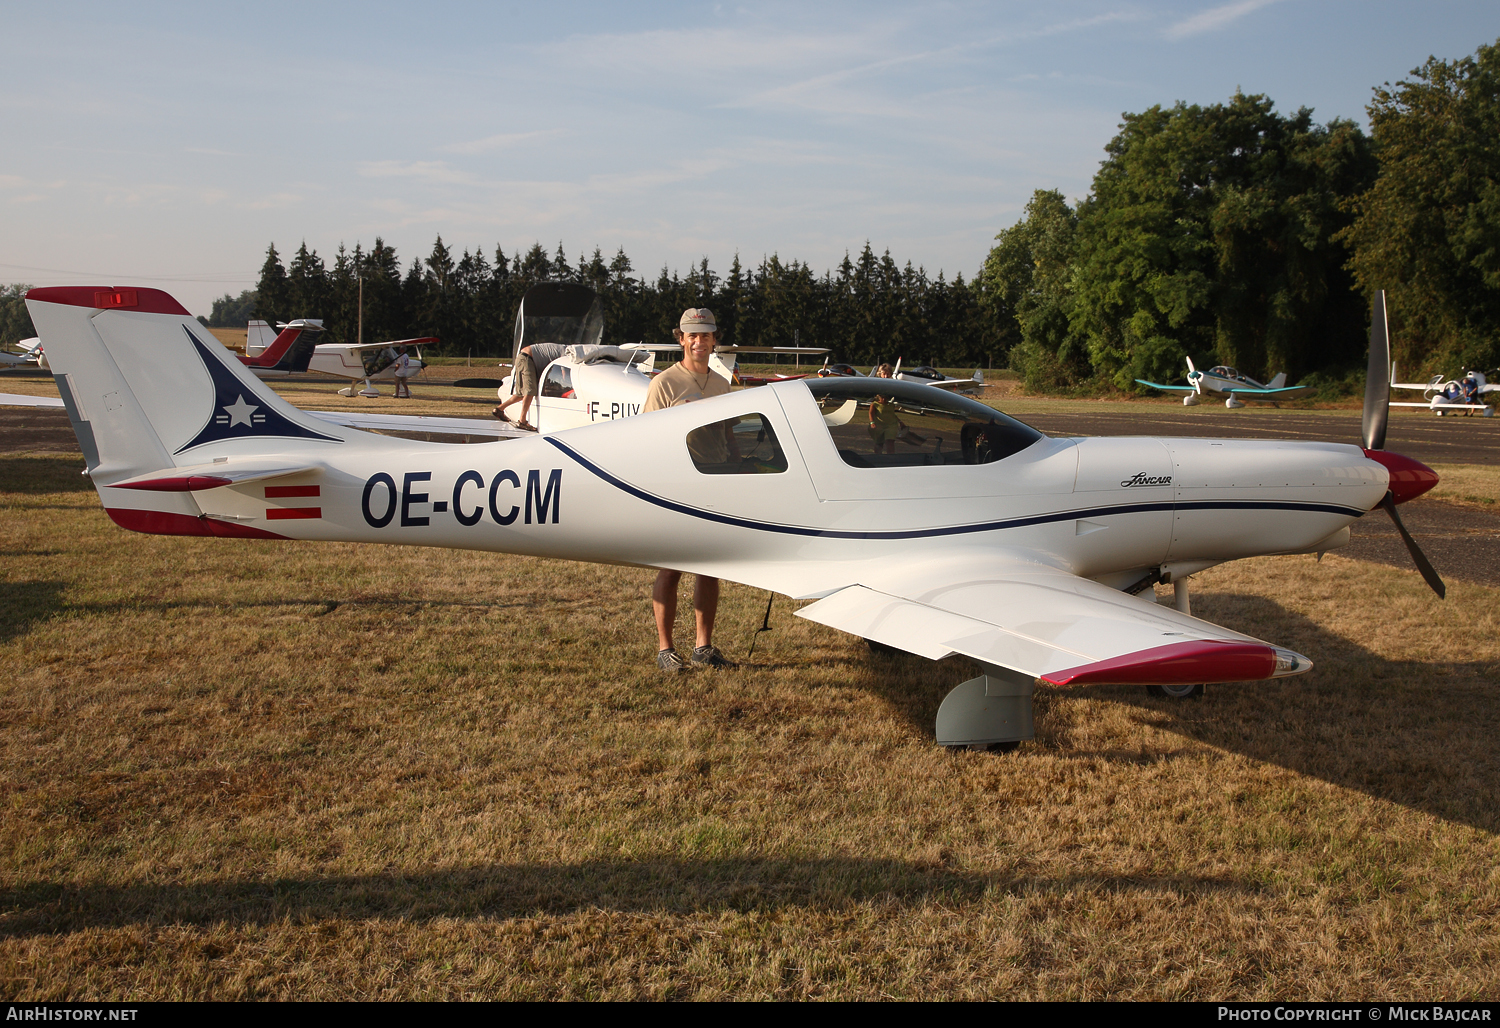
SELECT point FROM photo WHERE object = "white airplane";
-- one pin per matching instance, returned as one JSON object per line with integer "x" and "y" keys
{"x": 925, "y": 375}
{"x": 276, "y": 355}
{"x": 970, "y": 533}
{"x": 31, "y": 352}
{"x": 1443, "y": 395}
{"x": 372, "y": 362}
{"x": 1229, "y": 383}
{"x": 591, "y": 381}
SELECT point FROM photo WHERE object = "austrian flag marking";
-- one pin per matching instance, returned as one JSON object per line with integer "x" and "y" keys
{"x": 288, "y": 492}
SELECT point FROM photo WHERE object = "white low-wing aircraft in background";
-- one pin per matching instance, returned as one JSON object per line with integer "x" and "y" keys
{"x": 591, "y": 381}
{"x": 920, "y": 520}
{"x": 925, "y": 375}
{"x": 1443, "y": 395}
{"x": 31, "y": 352}
{"x": 1226, "y": 382}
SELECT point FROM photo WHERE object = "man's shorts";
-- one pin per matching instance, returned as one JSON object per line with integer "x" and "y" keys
{"x": 523, "y": 382}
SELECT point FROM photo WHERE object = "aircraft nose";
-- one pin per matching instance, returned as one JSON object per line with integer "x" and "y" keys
{"x": 1409, "y": 478}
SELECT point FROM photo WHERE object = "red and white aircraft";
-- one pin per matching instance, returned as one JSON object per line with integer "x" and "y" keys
{"x": 962, "y": 531}
{"x": 288, "y": 353}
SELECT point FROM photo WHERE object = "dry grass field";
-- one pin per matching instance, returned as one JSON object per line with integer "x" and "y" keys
{"x": 244, "y": 770}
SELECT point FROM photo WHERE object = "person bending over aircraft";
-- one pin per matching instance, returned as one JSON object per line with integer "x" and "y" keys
{"x": 525, "y": 376}
{"x": 683, "y": 383}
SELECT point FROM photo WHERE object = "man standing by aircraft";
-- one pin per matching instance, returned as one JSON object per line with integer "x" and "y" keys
{"x": 683, "y": 383}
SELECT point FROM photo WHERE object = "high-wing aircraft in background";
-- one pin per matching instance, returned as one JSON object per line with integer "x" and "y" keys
{"x": 373, "y": 362}
{"x": 962, "y": 531}
{"x": 1443, "y": 395}
{"x": 1226, "y": 382}
{"x": 289, "y": 352}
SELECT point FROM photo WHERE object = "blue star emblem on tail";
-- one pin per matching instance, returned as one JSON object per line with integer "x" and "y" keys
{"x": 234, "y": 415}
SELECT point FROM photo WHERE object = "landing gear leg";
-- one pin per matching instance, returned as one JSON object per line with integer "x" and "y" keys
{"x": 991, "y": 712}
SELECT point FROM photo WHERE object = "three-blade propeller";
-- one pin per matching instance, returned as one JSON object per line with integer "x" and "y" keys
{"x": 1372, "y": 429}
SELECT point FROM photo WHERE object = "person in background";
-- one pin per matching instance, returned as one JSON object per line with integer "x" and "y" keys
{"x": 687, "y": 382}
{"x": 524, "y": 377}
{"x": 404, "y": 372}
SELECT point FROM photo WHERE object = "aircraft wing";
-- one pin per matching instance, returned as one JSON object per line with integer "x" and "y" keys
{"x": 814, "y": 350}
{"x": 1044, "y": 622}
{"x": 487, "y": 427}
{"x": 1170, "y": 389}
{"x": 419, "y": 341}
{"x": 21, "y": 400}
{"x": 1284, "y": 393}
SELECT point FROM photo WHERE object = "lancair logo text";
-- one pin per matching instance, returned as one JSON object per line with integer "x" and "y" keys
{"x": 1141, "y": 478}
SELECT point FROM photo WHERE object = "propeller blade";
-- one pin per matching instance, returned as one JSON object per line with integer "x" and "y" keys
{"x": 1190, "y": 364}
{"x": 1420, "y": 558}
{"x": 1377, "y": 386}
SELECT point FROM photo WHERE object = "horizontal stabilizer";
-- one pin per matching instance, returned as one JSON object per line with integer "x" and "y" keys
{"x": 420, "y": 423}
{"x": 212, "y": 476}
{"x": 21, "y": 400}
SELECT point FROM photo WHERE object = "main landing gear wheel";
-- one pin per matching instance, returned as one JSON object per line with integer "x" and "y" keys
{"x": 1176, "y": 692}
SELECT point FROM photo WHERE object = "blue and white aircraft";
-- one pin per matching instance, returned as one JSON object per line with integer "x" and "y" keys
{"x": 1226, "y": 382}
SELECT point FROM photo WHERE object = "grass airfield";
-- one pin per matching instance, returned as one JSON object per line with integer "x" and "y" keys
{"x": 245, "y": 769}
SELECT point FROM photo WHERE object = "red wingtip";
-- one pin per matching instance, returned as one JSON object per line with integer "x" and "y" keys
{"x": 129, "y": 298}
{"x": 1204, "y": 660}
{"x": 1409, "y": 478}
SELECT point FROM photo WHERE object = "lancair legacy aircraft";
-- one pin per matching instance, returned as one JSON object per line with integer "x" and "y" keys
{"x": 920, "y": 520}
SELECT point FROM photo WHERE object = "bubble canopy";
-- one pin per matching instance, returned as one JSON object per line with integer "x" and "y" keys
{"x": 559, "y": 312}
{"x": 885, "y": 423}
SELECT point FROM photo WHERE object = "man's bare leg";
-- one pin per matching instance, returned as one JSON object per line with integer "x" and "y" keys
{"x": 664, "y": 606}
{"x": 705, "y": 607}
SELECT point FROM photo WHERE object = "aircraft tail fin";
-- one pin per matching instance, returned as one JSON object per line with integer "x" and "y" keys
{"x": 1278, "y": 382}
{"x": 259, "y": 336}
{"x": 148, "y": 390}
{"x": 291, "y": 350}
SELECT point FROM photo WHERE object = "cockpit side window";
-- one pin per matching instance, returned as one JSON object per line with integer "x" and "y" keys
{"x": 558, "y": 381}
{"x": 743, "y": 445}
{"x": 879, "y": 423}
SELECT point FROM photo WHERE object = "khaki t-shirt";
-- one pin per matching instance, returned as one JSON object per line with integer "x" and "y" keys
{"x": 679, "y": 385}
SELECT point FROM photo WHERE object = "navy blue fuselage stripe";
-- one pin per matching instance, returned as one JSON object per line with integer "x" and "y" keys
{"x": 926, "y": 533}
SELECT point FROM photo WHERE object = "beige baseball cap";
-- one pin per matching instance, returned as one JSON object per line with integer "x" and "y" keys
{"x": 697, "y": 319}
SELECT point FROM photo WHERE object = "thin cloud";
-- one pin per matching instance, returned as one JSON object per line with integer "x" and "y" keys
{"x": 1215, "y": 18}
{"x": 505, "y": 139}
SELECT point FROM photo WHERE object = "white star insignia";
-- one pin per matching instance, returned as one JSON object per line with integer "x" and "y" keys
{"x": 240, "y": 411}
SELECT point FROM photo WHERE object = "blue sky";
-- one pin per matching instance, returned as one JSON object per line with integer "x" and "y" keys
{"x": 169, "y": 144}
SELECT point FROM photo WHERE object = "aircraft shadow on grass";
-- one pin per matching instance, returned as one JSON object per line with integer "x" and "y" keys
{"x": 1416, "y": 733}
{"x": 24, "y": 604}
{"x": 663, "y": 885}
{"x": 38, "y": 475}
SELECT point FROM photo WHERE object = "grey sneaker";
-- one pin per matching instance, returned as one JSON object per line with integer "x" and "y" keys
{"x": 709, "y": 656}
{"x": 670, "y": 660}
